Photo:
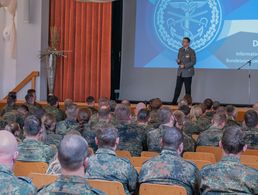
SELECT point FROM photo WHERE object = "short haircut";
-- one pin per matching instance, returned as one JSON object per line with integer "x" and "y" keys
{"x": 219, "y": 118}
{"x": 13, "y": 127}
{"x": 32, "y": 125}
{"x": 90, "y": 99}
{"x": 208, "y": 103}
{"x": 71, "y": 110}
{"x": 126, "y": 102}
{"x": 72, "y": 152}
{"x": 52, "y": 100}
{"x": 155, "y": 104}
{"x": 180, "y": 117}
{"x": 104, "y": 111}
{"x": 31, "y": 91}
{"x": 172, "y": 138}
{"x": 107, "y": 137}
{"x": 48, "y": 120}
{"x": 188, "y": 39}
{"x": 11, "y": 97}
{"x": 29, "y": 98}
{"x": 122, "y": 112}
{"x": 188, "y": 99}
{"x": 185, "y": 109}
{"x": 233, "y": 140}
{"x": 164, "y": 114}
{"x": 251, "y": 118}
{"x": 230, "y": 109}
{"x": 67, "y": 102}
{"x": 143, "y": 115}
{"x": 84, "y": 115}
{"x": 103, "y": 101}
{"x": 216, "y": 105}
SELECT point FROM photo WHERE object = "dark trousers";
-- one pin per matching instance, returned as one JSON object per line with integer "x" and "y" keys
{"x": 179, "y": 83}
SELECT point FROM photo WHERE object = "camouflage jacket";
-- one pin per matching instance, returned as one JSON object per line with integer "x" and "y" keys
{"x": 251, "y": 138}
{"x": 35, "y": 151}
{"x": 70, "y": 185}
{"x": 14, "y": 116}
{"x": 154, "y": 136}
{"x": 210, "y": 137}
{"x": 106, "y": 165}
{"x": 11, "y": 184}
{"x": 3, "y": 123}
{"x": 229, "y": 176}
{"x": 34, "y": 108}
{"x": 58, "y": 113}
{"x": 131, "y": 138}
{"x": 169, "y": 168}
{"x": 8, "y": 108}
{"x": 53, "y": 138}
{"x": 202, "y": 124}
{"x": 65, "y": 126}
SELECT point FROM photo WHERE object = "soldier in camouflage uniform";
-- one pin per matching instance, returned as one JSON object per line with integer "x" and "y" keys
{"x": 72, "y": 155}
{"x": 34, "y": 108}
{"x": 154, "y": 106}
{"x": 169, "y": 167}
{"x": 17, "y": 116}
{"x": 9, "y": 183}
{"x": 208, "y": 103}
{"x": 70, "y": 122}
{"x": 229, "y": 176}
{"x": 251, "y": 129}
{"x": 231, "y": 116}
{"x": 52, "y": 108}
{"x": 32, "y": 149}
{"x": 49, "y": 123}
{"x": 15, "y": 129}
{"x": 90, "y": 102}
{"x": 131, "y": 137}
{"x": 168, "y": 120}
{"x": 105, "y": 165}
{"x": 197, "y": 123}
{"x": 213, "y": 135}
{"x": 11, "y": 103}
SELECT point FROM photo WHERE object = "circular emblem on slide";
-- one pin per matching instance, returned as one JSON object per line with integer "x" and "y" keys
{"x": 200, "y": 20}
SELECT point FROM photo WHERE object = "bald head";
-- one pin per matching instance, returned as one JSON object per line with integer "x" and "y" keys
{"x": 8, "y": 148}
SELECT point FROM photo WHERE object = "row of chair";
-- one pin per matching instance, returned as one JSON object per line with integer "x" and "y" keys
{"x": 113, "y": 187}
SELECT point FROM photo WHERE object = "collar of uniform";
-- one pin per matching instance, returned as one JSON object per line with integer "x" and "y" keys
{"x": 70, "y": 121}
{"x": 105, "y": 151}
{"x": 27, "y": 140}
{"x": 231, "y": 159}
{"x": 72, "y": 179}
{"x": 4, "y": 169}
{"x": 169, "y": 152}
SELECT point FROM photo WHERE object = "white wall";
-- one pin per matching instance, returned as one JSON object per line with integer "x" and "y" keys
{"x": 32, "y": 37}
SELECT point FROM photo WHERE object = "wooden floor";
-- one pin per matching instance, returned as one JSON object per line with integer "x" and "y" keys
{"x": 240, "y": 116}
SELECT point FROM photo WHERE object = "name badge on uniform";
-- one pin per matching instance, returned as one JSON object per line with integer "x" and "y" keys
{"x": 187, "y": 55}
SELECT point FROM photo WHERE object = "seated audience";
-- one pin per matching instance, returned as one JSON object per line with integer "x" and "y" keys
{"x": 32, "y": 149}
{"x": 105, "y": 165}
{"x": 208, "y": 103}
{"x": 10, "y": 184}
{"x": 70, "y": 122}
{"x": 169, "y": 167}
{"x": 231, "y": 115}
{"x": 72, "y": 155}
{"x": 213, "y": 135}
{"x": 131, "y": 138}
{"x": 215, "y": 106}
{"x": 229, "y": 176}
{"x": 15, "y": 129}
{"x": 11, "y": 103}
{"x": 251, "y": 129}
{"x": 53, "y": 108}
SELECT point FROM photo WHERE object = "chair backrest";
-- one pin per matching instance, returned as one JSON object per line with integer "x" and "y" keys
{"x": 200, "y": 156}
{"x": 201, "y": 163}
{"x": 154, "y": 189}
{"x": 217, "y": 151}
{"x": 123, "y": 153}
{"x": 109, "y": 187}
{"x": 252, "y": 165}
{"x": 41, "y": 180}
{"x": 138, "y": 161}
{"x": 248, "y": 159}
{"x": 149, "y": 154}
{"x": 250, "y": 152}
{"x": 25, "y": 168}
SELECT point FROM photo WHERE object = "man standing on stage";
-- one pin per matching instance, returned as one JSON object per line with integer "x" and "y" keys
{"x": 186, "y": 60}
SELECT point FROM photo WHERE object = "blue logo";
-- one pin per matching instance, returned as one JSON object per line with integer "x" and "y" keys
{"x": 200, "y": 20}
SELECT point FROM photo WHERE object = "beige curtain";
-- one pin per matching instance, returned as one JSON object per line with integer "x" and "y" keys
{"x": 11, "y": 6}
